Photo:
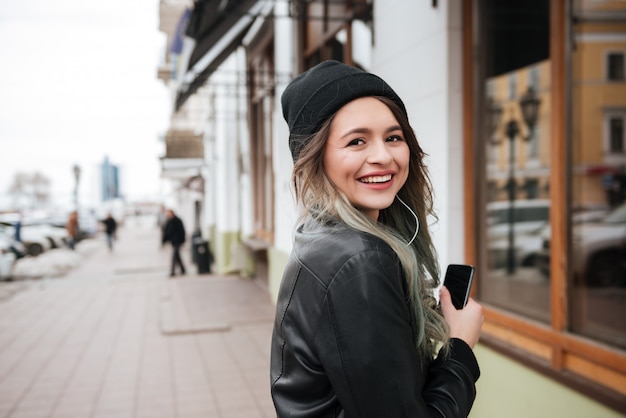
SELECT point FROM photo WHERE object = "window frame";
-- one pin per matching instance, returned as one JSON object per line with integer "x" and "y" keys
{"x": 607, "y": 73}
{"x": 260, "y": 106}
{"x": 608, "y": 116}
{"x": 594, "y": 369}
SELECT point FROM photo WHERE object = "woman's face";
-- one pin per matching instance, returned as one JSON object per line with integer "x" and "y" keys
{"x": 366, "y": 155}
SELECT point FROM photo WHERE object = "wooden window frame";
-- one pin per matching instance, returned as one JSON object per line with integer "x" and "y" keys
{"x": 596, "y": 370}
{"x": 330, "y": 18}
{"x": 260, "y": 106}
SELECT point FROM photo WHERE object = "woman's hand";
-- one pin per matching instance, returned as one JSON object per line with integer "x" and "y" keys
{"x": 465, "y": 323}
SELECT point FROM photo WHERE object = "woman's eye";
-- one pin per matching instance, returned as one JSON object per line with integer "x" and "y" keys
{"x": 395, "y": 138}
{"x": 357, "y": 141}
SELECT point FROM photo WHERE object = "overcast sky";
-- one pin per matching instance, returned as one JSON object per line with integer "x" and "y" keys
{"x": 78, "y": 83}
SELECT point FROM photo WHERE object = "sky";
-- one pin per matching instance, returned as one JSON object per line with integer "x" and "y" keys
{"x": 78, "y": 83}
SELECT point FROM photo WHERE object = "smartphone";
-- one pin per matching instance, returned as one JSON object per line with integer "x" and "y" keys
{"x": 458, "y": 280}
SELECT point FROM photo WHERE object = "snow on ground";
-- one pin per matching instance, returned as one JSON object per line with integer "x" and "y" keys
{"x": 55, "y": 262}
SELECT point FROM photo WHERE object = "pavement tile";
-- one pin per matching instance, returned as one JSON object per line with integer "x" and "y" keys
{"x": 115, "y": 337}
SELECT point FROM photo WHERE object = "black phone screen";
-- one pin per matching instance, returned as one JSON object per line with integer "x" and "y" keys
{"x": 458, "y": 280}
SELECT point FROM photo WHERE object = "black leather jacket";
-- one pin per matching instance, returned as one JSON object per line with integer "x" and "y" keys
{"x": 343, "y": 337}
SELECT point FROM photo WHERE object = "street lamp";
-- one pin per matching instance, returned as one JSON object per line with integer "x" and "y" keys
{"x": 76, "y": 171}
{"x": 529, "y": 104}
{"x": 512, "y": 129}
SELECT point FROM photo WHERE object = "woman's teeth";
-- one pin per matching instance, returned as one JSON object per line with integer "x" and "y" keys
{"x": 376, "y": 179}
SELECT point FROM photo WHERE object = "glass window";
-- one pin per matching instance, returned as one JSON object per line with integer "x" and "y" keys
{"x": 517, "y": 206}
{"x": 553, "y": 193}
{"x": 615, "y": 66}
{"x": 598, "y": 221}
{"x": 534, "y": 77}
{"x": 616, "y": 135}
{"x": 512, "y": 86}
{"x": 328, "y": 28}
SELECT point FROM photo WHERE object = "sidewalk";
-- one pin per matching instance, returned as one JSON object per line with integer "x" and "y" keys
{"x": 116, "y": 337}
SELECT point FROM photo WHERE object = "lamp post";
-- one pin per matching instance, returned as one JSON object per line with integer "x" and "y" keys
{"x": 76, "y": 171}
{"x": 529, "y": 104}
{"x": 512, "y": 129}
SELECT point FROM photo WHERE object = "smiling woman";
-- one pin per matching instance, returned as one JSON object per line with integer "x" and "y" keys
{"x": 358, "y": 331}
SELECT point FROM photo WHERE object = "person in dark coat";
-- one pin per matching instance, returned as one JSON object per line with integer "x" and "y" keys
{"x": 358, "y": 331}
{"x": 110, "y": 227}
{"x": 174, "y": 232}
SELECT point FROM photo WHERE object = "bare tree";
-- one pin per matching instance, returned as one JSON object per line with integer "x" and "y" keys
{"x": 30, "y": 189}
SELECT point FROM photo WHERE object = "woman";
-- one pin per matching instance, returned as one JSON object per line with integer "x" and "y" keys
{"x": 358, "y": 332}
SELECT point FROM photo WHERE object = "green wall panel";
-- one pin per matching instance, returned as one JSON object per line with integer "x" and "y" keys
{"x": 506, "y": 388}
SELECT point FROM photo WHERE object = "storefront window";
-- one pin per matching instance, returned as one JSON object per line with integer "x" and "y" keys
{"x": 517, "y": 91}
{"x": 598, "y": 199}
{"x": 336, "y": 30}
{"x": 549, "y": 92}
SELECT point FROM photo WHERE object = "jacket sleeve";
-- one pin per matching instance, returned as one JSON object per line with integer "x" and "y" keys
{"x": 365, "y": 341}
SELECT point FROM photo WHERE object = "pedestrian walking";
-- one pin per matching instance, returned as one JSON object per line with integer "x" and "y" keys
{"x": 174, "y": 232}
{"x": 358, "y": 330}
{"x": 110, "y": 229}
{"x": 72, "y": 227}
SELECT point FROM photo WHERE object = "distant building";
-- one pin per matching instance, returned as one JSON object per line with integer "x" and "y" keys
{"x": 110, "y": 180}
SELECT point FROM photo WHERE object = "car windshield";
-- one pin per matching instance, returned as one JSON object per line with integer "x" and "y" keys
{"x": 617, "y": 216}
{"x": 524, "y": 214}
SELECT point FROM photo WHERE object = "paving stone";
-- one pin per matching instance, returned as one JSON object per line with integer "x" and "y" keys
{"x": 116, "y": 337}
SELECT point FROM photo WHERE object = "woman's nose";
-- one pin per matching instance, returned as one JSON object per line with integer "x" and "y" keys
{"x": 379, "y": 154}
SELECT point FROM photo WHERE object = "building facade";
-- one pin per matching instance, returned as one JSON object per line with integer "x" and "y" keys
{"x": 520, "y": 106}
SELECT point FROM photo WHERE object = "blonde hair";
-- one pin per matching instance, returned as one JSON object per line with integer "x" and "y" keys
{"x": 319, "y": 198}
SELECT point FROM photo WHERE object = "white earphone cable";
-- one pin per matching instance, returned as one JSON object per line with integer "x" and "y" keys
{"x": 417, "y": 222}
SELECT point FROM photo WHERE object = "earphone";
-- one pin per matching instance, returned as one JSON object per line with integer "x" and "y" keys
{"x": 417, "y": 222}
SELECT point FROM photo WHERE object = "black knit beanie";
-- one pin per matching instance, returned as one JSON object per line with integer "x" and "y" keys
{"x": 316, "y": 94}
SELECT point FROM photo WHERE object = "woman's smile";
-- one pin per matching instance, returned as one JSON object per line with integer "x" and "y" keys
{"x": 366, "y": 155}
{"x": 376, "y": 179}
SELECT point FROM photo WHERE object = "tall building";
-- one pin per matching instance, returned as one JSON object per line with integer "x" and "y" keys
{"x": 110, "y": 180}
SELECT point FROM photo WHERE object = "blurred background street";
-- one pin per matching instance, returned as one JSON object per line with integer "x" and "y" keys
{"x": 110, "y": 334}
{"x": 128, "y": 110}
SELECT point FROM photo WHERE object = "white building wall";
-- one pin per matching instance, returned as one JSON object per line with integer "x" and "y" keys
{"x": 285, "y": 64}
{"x": 208, "y": 171}
{"x": 242, "y": 151}
{"x": 421, "y": 60}
{"x": 226, "y": 181}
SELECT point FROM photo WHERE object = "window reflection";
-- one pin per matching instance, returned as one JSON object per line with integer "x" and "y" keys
{"x": 598, "y": 89}
{"x": 517, "y": 91}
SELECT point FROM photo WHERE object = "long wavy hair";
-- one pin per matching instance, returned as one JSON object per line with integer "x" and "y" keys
{"x": 317, "y": 197}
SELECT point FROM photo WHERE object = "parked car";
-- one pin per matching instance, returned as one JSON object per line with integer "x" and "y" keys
{"x": 57, "y": 237}
{"x": 10, "y": 251}
{"x": 33, "y": 237}
{"x": 526, "y": 249}
{"x": 598, "y": 249}
{"x": 527, "y": 218}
